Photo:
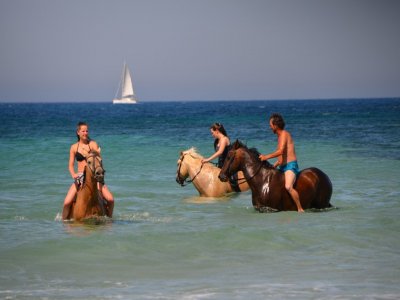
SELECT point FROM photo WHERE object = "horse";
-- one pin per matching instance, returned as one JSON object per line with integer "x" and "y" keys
{"x": 205, "y": 176}
{"x": 267, "y": 184}
{"x": 89, "y": 204}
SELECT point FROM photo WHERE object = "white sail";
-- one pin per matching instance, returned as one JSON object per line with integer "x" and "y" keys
{"x": 127, "y": 93}
{"x": 127, "y": 86}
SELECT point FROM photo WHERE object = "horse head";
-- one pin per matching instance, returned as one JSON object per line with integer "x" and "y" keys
{"x": 232, "y": 161}
{"x": 182, "y": 171}
{"x": 95, "y": 164}
{"x": 183, "y": 168}
{"x": 237, "y": 156}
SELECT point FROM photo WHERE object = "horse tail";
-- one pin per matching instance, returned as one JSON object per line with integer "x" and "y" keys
{"x": 323, "y": 190}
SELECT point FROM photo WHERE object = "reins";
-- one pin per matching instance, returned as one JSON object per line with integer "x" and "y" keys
{"x": 187, "y": 181}
{"x": 242, "y": 180}
{"x": 93, "y": 168}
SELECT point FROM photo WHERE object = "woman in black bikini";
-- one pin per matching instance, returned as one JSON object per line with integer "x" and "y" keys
{"x": 221, "y": 144}
{"x": 80, "y": 151}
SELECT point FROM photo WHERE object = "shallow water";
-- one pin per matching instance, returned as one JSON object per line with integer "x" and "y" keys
{"x": 164, "y": 241}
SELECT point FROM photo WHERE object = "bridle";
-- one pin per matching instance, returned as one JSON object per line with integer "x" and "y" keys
{"x": 186, "y": 181}
{"x": 99, "y": 176}
{"x": 239, "y": 180}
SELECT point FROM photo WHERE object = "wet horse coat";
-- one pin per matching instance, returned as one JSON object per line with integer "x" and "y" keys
{"x": 204, "y": 176}
{"x": 268, "y": 184}
{"x": 89, "y": 203}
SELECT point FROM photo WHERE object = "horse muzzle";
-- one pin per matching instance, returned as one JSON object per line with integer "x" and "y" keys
{"x": 223, "y": 177}
{"x": 179, "y": 180}
{"x": 99, "y": 176}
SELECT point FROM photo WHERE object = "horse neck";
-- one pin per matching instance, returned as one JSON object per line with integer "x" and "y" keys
{"x": 90, "y": 182}
{"x": 196, "y": 169}
{"x": 193, "y": 166}
{"x": 252, "y": 169}
{"x": 87, "y": 198}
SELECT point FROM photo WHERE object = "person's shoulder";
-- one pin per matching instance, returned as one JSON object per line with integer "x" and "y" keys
{"x": 93, "y": 142}
{"x": 284, "y": 135}
{"x": 287, "y": 135}
{"x": 74, "y": 145}
{"x": 94, "y": 146}
{"x": 225, "y": 139}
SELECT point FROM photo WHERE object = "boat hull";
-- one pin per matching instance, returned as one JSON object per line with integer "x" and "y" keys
{"x": 124, "y": 101}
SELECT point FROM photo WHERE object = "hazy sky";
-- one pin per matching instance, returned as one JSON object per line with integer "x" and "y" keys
{"x": 73, "y": 50}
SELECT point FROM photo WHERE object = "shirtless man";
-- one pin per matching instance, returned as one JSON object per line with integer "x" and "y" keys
{"x": 287, "y": 160}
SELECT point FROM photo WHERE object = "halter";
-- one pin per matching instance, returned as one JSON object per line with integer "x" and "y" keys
{"x": 178, "y": 172}
{"x": 242, "y": 180}
{"x": 99, "y": 178}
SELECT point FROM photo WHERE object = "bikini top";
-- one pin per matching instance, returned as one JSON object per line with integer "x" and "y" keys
{"x": 222, "y": 157}
{"x": 78, "y": 155}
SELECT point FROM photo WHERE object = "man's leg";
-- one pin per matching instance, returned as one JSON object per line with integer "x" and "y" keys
{"x": 290, "y": 178}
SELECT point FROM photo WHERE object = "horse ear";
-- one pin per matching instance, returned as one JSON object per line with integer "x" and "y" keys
{"x": 237, "y": 144}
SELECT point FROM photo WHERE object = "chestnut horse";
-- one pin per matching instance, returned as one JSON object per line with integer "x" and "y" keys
{"x": 89, "y": 204}
{"x": 268, "y": 184}
{"x": 205, "y": 176}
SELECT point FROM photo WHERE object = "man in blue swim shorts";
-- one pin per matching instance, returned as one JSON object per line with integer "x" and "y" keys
{"x": 290, "y": 166}
{"x": 286, "y": 154}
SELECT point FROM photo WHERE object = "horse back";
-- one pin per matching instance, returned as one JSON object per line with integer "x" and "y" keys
{"x": 314, "y": 188}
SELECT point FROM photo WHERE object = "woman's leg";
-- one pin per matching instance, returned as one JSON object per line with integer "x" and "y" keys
{"x": 106, "y": 194}
{"x": 69, "y": 198}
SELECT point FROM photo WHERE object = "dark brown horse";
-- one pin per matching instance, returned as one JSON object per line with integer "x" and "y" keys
{"x": 268, "y": 184}
{"x": 89, "y": 204}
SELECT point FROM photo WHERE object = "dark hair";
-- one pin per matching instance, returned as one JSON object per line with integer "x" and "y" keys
{"x": 78, "y": 126}
{"x": 220, "y": 128}
{"x": 277, "y": 120}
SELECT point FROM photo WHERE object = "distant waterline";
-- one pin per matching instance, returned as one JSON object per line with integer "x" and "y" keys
{"x": 166, "y": 242}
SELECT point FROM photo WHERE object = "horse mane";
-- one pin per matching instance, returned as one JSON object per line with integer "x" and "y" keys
{"x": 253, "y": 152}
{"x": 193, "y": 152}
{"x": 94, "y": 152}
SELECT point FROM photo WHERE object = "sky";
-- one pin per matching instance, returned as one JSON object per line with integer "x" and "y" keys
{"x": 183, "y": 50}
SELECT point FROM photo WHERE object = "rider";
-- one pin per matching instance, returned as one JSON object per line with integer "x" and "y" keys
{"x": 80, "y": 151}
{"x": 221, "y": 144}
{"x": 285, "y": 152}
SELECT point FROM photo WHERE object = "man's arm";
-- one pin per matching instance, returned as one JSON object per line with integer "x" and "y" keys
{"x": 280, "y": 149}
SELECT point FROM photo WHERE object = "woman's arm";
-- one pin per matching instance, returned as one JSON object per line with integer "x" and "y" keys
{"x": 223, "y": 143}
{"x": 94, "y": 146}
{"x": 72, "y": 161}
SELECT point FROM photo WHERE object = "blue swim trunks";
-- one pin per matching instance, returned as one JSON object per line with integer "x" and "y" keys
{"x": 290, "y": 166}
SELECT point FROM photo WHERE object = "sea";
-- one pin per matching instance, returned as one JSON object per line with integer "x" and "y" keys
{"x": 166, "y": 242}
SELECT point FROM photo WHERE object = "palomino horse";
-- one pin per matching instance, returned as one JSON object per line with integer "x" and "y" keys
{"x": 268, "y": 184}
{"x": 89, "y": 204}
{"x": 205, "y": 176}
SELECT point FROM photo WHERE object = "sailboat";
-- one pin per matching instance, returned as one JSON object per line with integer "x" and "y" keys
{"x": 127, "y": 93}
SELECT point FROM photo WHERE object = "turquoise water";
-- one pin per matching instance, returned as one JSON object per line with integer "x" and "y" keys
{"x": 165, "y": 242}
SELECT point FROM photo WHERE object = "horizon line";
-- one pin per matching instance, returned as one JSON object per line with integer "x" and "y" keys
{"x": 199, "y": 100}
